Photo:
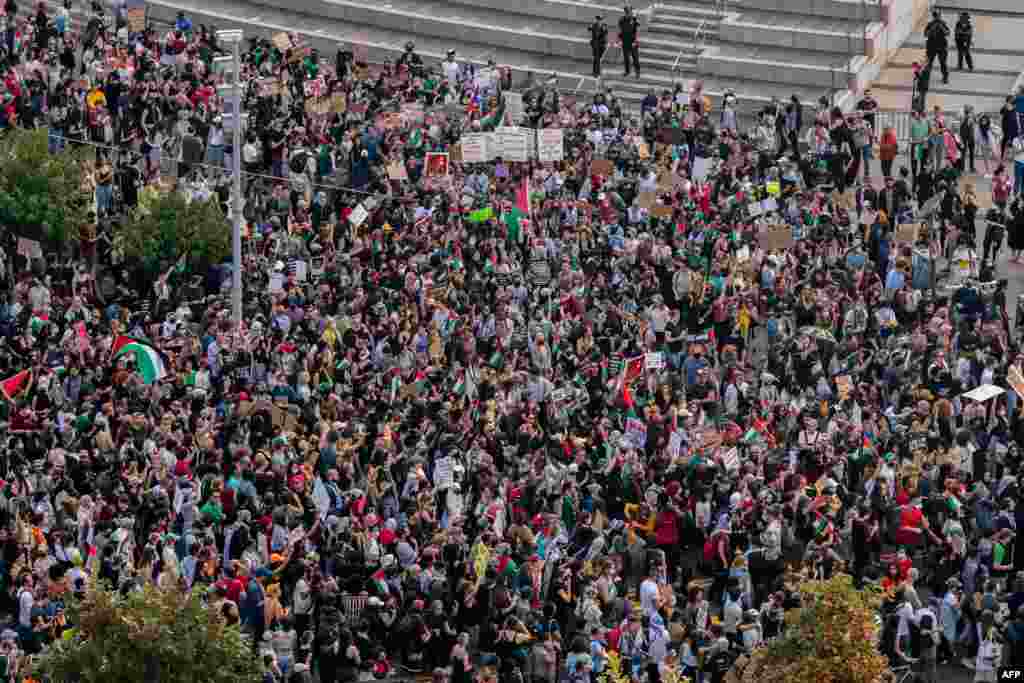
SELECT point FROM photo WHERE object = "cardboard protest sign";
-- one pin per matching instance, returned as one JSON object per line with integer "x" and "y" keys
{"x": 137, "y": 17}
{"x": 907, "y": 232}
{"x": 391, "y": 120}
{"x": 643, "y": 150}
{"x": 339, "y": 103}
{"x": 1016, "y": 380}
{"x": 282, "y": 41}
{"x": 843, "y": 386}
{"x": 661, "y": 211}
{"x": 396, "y": 171}
{"x": 455, "y": 154}
{"x": 647, "y": 200}
{"x": 776, "y": 238}
{"x": 602, "y": 167}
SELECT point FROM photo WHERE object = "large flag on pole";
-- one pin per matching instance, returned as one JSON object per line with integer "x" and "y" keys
{"x": 148, "y": 360}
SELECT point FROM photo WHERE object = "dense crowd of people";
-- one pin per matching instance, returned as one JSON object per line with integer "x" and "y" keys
{"x": 497, "y": 420}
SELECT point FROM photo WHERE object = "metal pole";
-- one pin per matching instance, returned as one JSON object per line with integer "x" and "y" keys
{"x": 236, "y": 214}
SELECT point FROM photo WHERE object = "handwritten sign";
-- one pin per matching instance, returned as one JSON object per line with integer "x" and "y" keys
{"x": 358, "y": 215}
{"x": 512, "y": 143}
{"x": 843, "y": 386}
{"x": 655, "y": 360}
{"x": 776, "y": 238}
{"x": 550, "y": 144}
{"x": 636, "y": 433}
{"x": 1016, "y": 380}
{"x": 137, "y": 19}
{"x": 907, "y": 233}
{"x": 396, "y": 171}
{"x": 475, "y": 148}
{"x": 282, "y": 41}
{"x": 647, "y": 200}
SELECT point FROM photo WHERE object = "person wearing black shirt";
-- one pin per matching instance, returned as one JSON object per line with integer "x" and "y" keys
{"x": 964, "y": 36}
{"x": 936, "y": 35}
{"x": 628, "y": 27}
{"x": 598, "y": 42}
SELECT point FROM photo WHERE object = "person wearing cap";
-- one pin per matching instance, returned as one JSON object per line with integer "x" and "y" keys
{"x": 598, "y": 42}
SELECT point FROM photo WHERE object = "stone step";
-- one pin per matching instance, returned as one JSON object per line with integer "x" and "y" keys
{"x": 775, "y": 29}
{"x": 991, "y": 7}
{"x": 984, "y": 62}
{"x": 981, "y": 85}
{"x": 560, "y": 10}
{"x": 850, "y": 10}
{"x": 993, "y": 33}
{"x": 457, "y": 23}
{"x": 804, "y": 67}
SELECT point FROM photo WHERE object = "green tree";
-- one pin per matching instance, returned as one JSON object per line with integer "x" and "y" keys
{"x": 830, "y": 638}
{"x": 43, "y": 190}
{"x": 167, "y": 225}
{"x": 149, "y": 635}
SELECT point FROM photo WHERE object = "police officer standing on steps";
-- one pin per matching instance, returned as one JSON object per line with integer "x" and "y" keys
{"x": 598, "y": 42}
{"x": 964, "y": 36}
{"x": 628, "y": 27}
{"x": 936, "y": 35}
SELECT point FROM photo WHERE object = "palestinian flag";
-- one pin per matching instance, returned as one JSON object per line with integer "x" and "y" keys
{"x": 147, "y": 359}
{"x": 12, "y": 386}
{"x": 518, "y": 213}
{"x": 38, "y": 321}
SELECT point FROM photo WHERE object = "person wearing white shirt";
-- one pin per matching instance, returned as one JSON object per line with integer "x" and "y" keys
{"x": 649, "y": 596}
{"x": 451, "y": 68}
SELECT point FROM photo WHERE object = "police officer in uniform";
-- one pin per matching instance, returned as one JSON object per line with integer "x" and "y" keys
{"x": 628, "y": 28}
{"x": 964, "y": 36}
{"x": 598, "y": 42}
{"x": 936, "y": 35}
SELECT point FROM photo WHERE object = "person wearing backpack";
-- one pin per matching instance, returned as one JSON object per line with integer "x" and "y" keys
{"x": 929, "y": 636}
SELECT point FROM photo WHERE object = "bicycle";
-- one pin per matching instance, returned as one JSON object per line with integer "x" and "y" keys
{"x": 904, "y": 673}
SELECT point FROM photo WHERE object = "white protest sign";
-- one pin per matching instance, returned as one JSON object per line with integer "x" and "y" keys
{"x": 731, "y": 459}
{"x": 984, "y": 393}
{"x": 675, "y": 444}
{"x": 550, "y": 144}
{"x": 512, "y": 143}
{"x": 701, "y": 166}
{"x": 276, "y": 283}
{"x": 444, "y": 472}
{"x": 655, "y": 360}
{"x": 358, "y": 215}
{"x": 484, "y": 78}
{"x": 514, "y": 105}
{"x": 475, "y": 148}
{"x": 636, "y": 433}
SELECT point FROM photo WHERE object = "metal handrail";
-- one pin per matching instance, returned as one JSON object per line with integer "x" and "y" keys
{"x": 698, "y": 37}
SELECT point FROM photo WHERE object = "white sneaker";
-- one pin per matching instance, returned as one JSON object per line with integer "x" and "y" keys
{"x": 967, "y": 662}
